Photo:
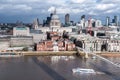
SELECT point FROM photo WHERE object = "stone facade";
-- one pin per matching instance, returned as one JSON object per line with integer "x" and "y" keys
{"x": 101, "y": 45}
{"x": 23, "y": 41}
{"x": 90, "y": 43}
{"x": 114, "y": 46}
{"x": 38, "y": 37}
{"x": 21, "y": 31}
{"x": 4, "y": 45}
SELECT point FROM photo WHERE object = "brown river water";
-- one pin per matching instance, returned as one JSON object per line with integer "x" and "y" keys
{"x": 56, "y": 68}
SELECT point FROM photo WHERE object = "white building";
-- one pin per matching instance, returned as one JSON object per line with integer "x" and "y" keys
{"x": 114, "y": 46}
{"x": 95, "y": 23}
{"x": 4, "y": 45}
{"x": 21, "y": 31}
{"x": 82, "y": 23}
{"x": 86, "y": 24}
{"x": 38, "y": 36}
{"x": 98, "y": 23}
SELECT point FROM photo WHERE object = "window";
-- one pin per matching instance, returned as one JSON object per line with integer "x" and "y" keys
{"x": 56, "y": 23}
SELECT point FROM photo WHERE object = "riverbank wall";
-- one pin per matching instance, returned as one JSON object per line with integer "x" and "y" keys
{"x": 64, "y": 53}
{"x": 49, "y": 53}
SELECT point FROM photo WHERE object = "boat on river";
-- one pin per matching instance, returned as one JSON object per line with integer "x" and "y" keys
{"x": 82, "y": 70}
{"x": 85, "y": 71}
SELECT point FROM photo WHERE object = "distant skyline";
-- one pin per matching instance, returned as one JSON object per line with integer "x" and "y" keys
{"x": 28, "y": 10}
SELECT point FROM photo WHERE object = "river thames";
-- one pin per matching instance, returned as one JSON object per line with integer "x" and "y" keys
{"x": 56, "y": 68}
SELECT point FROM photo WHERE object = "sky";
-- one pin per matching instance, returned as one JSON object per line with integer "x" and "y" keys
{"x": 28, "y": 10}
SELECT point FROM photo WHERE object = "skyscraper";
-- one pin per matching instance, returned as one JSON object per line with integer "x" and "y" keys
{"x": 82, "y": 17}
{"x": 98, "y": 23}
{"x": 82, "y": 21}
{"x": 116, "y": 20}
{"x": 107, "y": 21}
{"x": 67, "y": 19}
{"x": 51, "y": 14}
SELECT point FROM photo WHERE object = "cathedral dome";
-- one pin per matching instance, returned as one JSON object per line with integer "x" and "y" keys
{"x": 55, "y": 17}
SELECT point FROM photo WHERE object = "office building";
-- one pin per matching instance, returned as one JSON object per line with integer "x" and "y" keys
{"x": 107, "y": 21}
{"x": 116, "y": 20}
{"x": 98, "y": 23}
{"x": 82, "y": 21}
{"x": 67, "y": 19}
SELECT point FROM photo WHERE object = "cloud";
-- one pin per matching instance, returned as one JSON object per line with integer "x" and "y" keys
{"x": 104, "y": 6}
{"x": 60, "y": 10}
{"x": 51, "y": 9}
{"x": 109, "y": 11}
{"x": 62, "y": 6}
{"x": 20, "y": 1}
{"x": 92, "y": 13}
{"x": 110, "y": 1}
{"x": 13, "y": 9}
{"x": 75, "y": 7}
{"x": 22, "y": 7}
{"x": 78, "y": 1}
{"x": 63, "y": 10}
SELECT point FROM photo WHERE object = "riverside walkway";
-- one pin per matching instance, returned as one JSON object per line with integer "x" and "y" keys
{"x": 63, "y": 53}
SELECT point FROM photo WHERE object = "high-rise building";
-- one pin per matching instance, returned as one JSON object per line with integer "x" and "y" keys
{"x": 48, "y": 21}
{"x": 116, "y": 20}
{"x": 98, "y": 23}
{"x": 51, "y": 14}
{"x": 82, "y": 17}
{"x": 107, "y": 21}
{"x": 82, "y": 21}
{"x": 67, "y": 19}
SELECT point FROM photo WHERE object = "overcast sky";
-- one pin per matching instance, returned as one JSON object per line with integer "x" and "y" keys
{"x": 27, "y": 10}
